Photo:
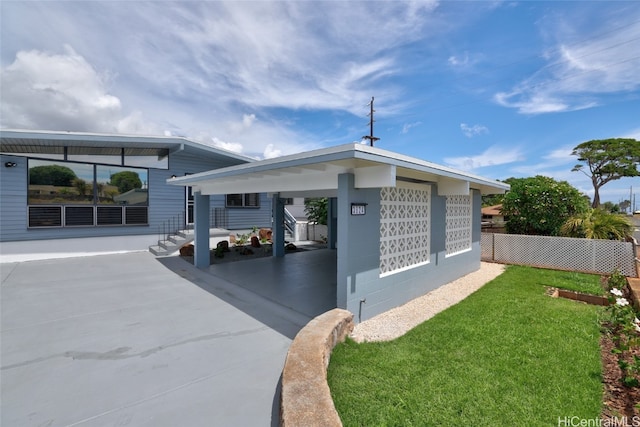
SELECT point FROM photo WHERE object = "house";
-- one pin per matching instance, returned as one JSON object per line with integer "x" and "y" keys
{"x": 492, "y": 217}
{"x": 77, "y": 192}
{"x": 400, "y": 226}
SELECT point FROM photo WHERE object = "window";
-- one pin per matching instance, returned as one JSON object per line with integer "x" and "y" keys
{"x": 121, "y": 185}
{"x": 246, "y": 200}
{"x": 69, "y": 194}
{"x": 57, "y": 182}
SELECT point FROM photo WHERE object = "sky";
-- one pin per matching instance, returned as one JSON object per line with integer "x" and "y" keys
{"x": 496, "y": 88}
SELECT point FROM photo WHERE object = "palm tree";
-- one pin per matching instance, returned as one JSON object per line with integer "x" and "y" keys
{"x": 597, "y": 224}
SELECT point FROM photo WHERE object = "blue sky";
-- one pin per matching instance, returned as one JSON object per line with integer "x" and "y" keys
{"x": 500, "y": 89}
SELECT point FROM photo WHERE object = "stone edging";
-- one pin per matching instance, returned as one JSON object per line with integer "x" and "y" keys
{"x": 306, "y": 398}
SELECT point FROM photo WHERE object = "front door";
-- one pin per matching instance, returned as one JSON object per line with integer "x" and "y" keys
{"x": 189, "y": 204}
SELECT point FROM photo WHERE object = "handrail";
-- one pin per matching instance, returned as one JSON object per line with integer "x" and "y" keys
{"x": 172, "y": 226}
{"x": 290, "y": 224}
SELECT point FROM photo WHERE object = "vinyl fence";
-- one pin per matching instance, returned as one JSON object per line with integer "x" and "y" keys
{"x": 563, "y": 253}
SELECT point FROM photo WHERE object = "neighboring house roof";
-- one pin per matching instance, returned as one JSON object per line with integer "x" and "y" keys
{"x": 46, "y": 142}
{"x": 132, "y": 197}
{"x": 315, "y": 173}
{"x": 495, "y": 210}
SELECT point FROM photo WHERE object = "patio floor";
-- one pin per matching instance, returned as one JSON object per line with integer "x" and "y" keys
{"x": 302, "y": 281}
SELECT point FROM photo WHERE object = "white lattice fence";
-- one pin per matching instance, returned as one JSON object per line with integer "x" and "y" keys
{"x": 566, "y": 253}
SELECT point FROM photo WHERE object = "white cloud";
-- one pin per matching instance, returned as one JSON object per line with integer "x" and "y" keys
{"x": 270, "y": 152}
{"x": 244, "y": 124}
{"x": 455, "y": 61}
{"x": 42, "y": 90}
{"x": 634, "y": 133}
{"x": 493, "y": 156}
{"x": 407, "y": 126}
{"x": 577, "y": 75}
{"x": 471, "y": 131}
{"x": 215, "y": 68}
{"x": 276, "y": 54}
{"x": 464, "y": 61}
{"x": 229, "y": 146}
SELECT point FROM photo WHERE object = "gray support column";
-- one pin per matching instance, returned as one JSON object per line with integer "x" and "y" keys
{"x": 476, "y": 212}
{"x": 345, "y": 281}
{"x": 201, "y": 258}
{"x": 438, "y": 227}
{"x": 278, "y": 225}
{"x": 332, "y": 222}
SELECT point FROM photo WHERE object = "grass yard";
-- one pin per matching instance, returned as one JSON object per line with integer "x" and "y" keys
{"x": 506, "y": 355}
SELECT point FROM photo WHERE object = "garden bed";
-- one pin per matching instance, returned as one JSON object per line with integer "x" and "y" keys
{"x": 247, "y": 252}
{"x": 619, "y": 401}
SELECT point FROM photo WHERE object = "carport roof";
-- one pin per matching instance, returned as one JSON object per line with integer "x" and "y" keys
{"x": 315, "y": 173}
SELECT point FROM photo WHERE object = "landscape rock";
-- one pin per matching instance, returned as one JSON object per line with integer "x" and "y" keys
{"x": 187, "y": 250}
{"x": 224, "y": 244}
{"x": 265, "y": 233}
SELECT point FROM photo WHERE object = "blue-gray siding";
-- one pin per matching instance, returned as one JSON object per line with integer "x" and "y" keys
{"x": 165, "y": 202}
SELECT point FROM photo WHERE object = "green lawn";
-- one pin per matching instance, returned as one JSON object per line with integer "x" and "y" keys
{"x": 506, "y": 355}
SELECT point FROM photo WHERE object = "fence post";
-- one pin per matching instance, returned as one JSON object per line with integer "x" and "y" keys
{"x": 493, "y": 247}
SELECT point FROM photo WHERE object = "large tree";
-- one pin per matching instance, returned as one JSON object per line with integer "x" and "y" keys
{"x": 540, "y": 205}
{"x": 607, "y": 160}
{"x": 58, "y": 175}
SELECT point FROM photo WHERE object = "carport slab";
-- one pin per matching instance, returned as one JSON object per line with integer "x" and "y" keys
{"x": 123, "y": 340}
{"x": 304, "y": 282}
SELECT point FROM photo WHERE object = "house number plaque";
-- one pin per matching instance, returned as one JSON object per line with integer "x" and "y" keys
{"x": 358, "y": 208}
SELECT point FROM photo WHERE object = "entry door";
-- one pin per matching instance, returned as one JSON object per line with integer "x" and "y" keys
{"x": 189, "y": 204}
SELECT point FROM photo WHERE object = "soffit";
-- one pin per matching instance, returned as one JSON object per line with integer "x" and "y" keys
{"x": 317, "y": 172}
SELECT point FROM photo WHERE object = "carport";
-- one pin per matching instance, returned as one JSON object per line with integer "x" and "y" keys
{"x": 401, "y": 226}
{"x": 303, "y": 281}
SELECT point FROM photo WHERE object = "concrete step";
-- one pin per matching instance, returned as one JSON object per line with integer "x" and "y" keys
{"x": 159, "y": 251}
{"x": 175, "y": 241}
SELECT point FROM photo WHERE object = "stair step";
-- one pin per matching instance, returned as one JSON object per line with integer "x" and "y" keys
{"x": 158, "y": 250}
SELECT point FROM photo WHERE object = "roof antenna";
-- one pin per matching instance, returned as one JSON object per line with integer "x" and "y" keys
{"x": 370, "y": 137}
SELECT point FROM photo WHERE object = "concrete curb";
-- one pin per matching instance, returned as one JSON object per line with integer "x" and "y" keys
{"x": 306, "y": 398}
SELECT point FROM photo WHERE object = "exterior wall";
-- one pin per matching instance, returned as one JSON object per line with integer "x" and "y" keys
{"x": 165, "y": 201}
{"x": 359, "y": 255}
{"x": 13, "y": 198}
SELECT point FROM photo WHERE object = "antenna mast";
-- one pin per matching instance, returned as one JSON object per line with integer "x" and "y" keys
{"x": 370, "y": 137}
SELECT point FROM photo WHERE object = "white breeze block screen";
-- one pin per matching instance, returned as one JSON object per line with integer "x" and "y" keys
{"x": 458, "y": 224}
{"x": 404, "y": 227}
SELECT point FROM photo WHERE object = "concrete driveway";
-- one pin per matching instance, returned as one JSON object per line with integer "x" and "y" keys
{"x": 128, "y": 340}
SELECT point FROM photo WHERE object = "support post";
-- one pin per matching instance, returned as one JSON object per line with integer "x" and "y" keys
{"x": 201, "y": 258}
{"x": 278, "y": 225}
{"x": 332, "y": 222}
{"x": 345, "y": 278}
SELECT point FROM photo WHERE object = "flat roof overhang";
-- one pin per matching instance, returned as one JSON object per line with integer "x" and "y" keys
{"x": 315, "y": 174}
{"x": 53, "y": 142}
